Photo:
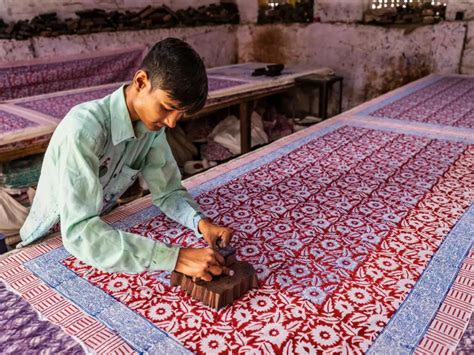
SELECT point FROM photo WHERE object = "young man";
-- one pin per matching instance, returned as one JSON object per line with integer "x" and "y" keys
{"x": 98, "y": 150}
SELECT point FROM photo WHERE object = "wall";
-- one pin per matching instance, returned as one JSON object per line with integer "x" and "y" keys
{"x": 13, "y": 10}
{"x": 217, "y": 45}
{"x": 372, "y": 59}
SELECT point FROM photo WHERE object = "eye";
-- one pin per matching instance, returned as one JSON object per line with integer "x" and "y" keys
{"x": 165, "y": 109}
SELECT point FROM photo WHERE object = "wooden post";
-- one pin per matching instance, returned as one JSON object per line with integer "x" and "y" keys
{"x": 245, "y": 127}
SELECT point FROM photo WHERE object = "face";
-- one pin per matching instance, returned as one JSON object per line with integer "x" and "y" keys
{"x": 155, "y": 108}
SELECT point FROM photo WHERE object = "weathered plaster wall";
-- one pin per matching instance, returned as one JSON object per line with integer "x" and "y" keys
{"x": 372, "y": 60}
{"x": 347, "y": 11}
{"x": 467, "y": 61}
{"x": 466, "y": 6}
{"x": 13, "y": 10}
{"x": 217, "y": 45}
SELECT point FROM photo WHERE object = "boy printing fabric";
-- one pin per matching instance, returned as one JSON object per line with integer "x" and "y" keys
{"x": 98, "y": 150}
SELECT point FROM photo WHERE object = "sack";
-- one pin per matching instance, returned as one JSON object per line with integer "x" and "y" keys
{"x": 12, "y": 214}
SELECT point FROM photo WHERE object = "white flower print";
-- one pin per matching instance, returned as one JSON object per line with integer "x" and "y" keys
{"x": 386, "y": 264}
{"x": 249, "y": 250}
{"x": 359, "y": 296}
{"x": 324, "y": 335}
{"x": 293, "y": 244}
{"x": 261, "y": 303}
{"x": 299, "y": 270}
{"x": 160, "y": 311}
{"x": 408, "y": 238}
{"x": 314, "y": 294}
{"x": 329, "y": 244}
{"x": 118, "y": 284}
{"x": 213, "y": 344}
{"x": 346, "y": 263}
{"x": 274, "y": 333}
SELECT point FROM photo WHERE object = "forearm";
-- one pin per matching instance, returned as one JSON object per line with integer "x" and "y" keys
{"x": 180, "y": 207}
{"x": 100, "y": 245}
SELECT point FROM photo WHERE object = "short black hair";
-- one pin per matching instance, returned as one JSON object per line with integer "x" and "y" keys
{"x": 174, "y": 67}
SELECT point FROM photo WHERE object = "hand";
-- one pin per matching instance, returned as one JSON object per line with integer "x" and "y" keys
{"x": 201, "y": 263}
{"x": 216, "y": 236}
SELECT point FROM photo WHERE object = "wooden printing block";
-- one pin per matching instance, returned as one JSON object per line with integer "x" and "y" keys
{"x": 223, "y": 289}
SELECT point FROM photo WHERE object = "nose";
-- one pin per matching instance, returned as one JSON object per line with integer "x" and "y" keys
{"x": 173, "y": 118}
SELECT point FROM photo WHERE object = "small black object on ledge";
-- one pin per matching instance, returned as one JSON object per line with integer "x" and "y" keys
{"x": 271, "y": 70}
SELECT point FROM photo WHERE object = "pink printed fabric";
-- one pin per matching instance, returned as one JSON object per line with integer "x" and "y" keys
{"x": 58, "y": 106}
{"x": 39, "y": 77}
{"x": 328, "y": 228}
{"x": 449, "y": 101}
{"x": 9, "y": 122}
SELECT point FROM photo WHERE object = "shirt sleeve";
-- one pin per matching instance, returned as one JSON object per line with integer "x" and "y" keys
{"x": 84, "y": 234}
{"x": 163, "y": 178}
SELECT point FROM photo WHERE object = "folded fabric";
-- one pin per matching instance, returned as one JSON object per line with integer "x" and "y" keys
{"x": 12, "y": 214}
{"x": 227, "y": 132}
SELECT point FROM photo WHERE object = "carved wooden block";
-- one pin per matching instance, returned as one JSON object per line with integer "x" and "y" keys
{"x": 223, "y": 289}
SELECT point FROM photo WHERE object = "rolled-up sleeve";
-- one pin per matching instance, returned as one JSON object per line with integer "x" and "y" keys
{"x": 84, "y": 234}
{"x": 162, "y": 175}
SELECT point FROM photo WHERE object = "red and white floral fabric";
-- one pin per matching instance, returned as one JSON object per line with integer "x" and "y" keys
{"x": 338, "y": 230}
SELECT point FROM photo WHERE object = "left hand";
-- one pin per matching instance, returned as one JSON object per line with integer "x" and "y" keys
{"x": 216, "y": 236}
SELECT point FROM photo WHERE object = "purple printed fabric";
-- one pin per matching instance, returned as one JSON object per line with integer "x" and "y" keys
{"x": 10, "y": 122}
{"x": 219, "y": 84}
{"x": 214, "y": 151}
{"x": 59, "y": 106}
{"x": 449, "y": 101}
{"x": 22, "y": 332}
{"x": 466, "y": 345}
{"x": 41, "y": 78}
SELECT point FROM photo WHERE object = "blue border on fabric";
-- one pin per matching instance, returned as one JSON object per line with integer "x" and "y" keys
{"x": 133, "y": 328}
{"x": 467, "y": 139}
{"x": 136, "y": 330}
{"x": 403, "y": 93}
{"x": 411, "y": 321}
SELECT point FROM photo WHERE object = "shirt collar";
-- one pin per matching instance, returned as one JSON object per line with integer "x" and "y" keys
{"x": 121, "y": 123}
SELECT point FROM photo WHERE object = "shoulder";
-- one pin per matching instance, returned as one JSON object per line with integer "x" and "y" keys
{"x": 89, "y": 120}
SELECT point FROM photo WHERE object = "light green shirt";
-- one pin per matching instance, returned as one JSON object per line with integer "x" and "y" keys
{"x": 94, "y": 155}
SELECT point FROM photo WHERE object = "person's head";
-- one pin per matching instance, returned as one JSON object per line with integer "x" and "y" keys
{"x": 171, "y": 81}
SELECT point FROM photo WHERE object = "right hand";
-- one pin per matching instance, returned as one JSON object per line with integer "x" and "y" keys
{"x": 201, "y": 263}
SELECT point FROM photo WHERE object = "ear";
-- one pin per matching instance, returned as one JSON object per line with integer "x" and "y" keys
{"x": 140, "y": 80}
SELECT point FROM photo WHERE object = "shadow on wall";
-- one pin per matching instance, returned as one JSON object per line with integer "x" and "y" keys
{"x": 394, "y": 74}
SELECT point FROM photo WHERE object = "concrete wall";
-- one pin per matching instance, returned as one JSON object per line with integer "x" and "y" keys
{"x": 372, "y": 60}
{"x": 13, "y": 10}
{"x": 217, "y": 45}
{"x": 467, "y": 60}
